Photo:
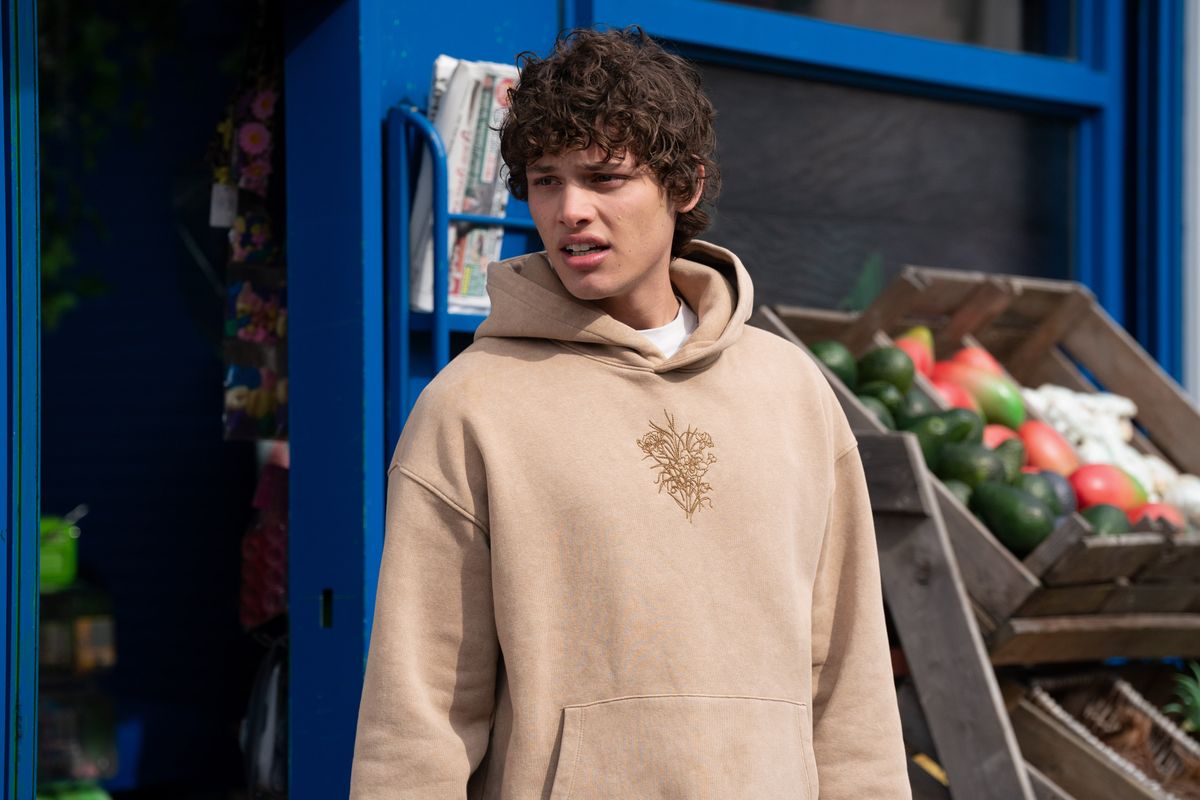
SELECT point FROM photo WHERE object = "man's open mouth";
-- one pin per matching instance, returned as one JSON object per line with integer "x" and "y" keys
{"x": 584, "y": 249}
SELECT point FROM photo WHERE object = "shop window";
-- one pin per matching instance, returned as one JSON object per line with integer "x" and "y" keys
{"x": 829, "y": 190}
{"x": 1028, "y": 26}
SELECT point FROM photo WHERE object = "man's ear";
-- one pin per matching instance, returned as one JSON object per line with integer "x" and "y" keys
{"x": 690, "y": 204}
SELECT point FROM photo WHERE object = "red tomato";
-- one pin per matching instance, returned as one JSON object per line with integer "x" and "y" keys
{"x": 1046, "y": 448}
{"x": 979, "y": 358}
{"x": 1157, "y": 511}
{"x": 921, "y": 356}
{"x": 1104, "y": 483}
{"x": 993, "y": 435}
{"x": 956, "y": 396}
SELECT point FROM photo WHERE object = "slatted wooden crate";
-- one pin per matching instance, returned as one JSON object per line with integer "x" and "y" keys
{"x": 1078, "y": 596}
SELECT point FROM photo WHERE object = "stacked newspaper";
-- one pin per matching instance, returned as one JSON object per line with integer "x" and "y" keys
{"x": 466, "y": 104}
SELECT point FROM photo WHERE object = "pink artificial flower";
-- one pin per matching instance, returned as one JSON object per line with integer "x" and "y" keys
{"x": 263, "y": 104}
{"x": 257, "y": 170}
{"x": 254, "y": 138}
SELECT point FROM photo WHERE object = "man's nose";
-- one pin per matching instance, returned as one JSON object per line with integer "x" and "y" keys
{"x": 576, "y": 208}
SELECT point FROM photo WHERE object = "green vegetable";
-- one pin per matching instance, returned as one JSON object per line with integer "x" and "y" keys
{"x": 1041, "y": 488}
{"x": 965, "y": 425}
{"x": 959, "y": 490}
{"x": 972, "y": 464}
{"x": 915, "y": 406}
{"x": 889, "y": 395}
{"x": 931, "y": 431}
{"x": 876, "y": 407}
{"x": 890, "y": 364}
{"x": 838, "y": 359}
{"x": 1012, "y": 453}
{"x": 1106, "y": 519}
{"x": 1018, "y": 519}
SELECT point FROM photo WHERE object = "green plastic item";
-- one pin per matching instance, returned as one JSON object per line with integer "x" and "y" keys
{"x": 58, "y": 553}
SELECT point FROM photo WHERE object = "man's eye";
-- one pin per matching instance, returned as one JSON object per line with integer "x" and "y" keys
{"x": 544, "y": 180}
{"x": 606, "y": 177}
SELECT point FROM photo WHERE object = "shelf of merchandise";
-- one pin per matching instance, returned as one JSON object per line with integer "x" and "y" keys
{"x": 411, "y": 366}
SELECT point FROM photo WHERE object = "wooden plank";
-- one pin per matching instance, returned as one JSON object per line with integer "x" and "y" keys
{"x": 1057, "y": 601}
{"x": 892, "y": 304}
{"x": 1044, "y": 640}
{"x": 996, "y": 580}
{"x": 1071, "y": 762}
{"x": 923, "y": 785}
{"x": 1043, "y": 787}
{"x": 1123, "y": 367}
{"x": 1095, "y": 559}
{"x": 1180, "y": 560}
{"x": 1046, "y": 335}
{"x": 890, "y": 481}
{"x": 928, "y": 602}
{"x": 986, "y": 302}
{"x": 809, "y": 324}
{"x": 1153, "y": 598}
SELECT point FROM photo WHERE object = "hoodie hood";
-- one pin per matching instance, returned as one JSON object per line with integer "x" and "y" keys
{"x": 529, "y": 301}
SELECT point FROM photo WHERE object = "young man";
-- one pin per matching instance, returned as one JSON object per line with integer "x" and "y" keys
{"x": 629, "y": 547}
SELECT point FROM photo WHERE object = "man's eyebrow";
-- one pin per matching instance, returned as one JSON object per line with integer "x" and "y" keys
{"x": 541, "y": 169}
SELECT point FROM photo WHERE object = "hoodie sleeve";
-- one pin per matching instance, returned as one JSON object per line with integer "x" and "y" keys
{"x": 425, "y": 717}
{"x": 856, "y": 723}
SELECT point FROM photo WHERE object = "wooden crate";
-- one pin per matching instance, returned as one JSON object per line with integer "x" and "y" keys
{"x": 1077, "y": 597}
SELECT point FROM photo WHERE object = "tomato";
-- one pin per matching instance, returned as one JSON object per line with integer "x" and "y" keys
{"x": 1157, "y": 511}
{"x": 1104, "y": 483}
{"x": 995, "y": 434}
{"x": 1046, "y": 448}
{"x": 979, "y": 358}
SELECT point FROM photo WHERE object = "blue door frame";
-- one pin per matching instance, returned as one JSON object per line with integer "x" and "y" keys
{"x": 19, "y": 349}
{"x": 349, "y": 61}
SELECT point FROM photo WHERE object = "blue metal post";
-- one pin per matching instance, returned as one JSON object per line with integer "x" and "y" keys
{"x": 336, "y": 365}
{"x": 20, "y": 336}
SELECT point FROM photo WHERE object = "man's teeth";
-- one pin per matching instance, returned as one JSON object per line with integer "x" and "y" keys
{"x": 576, "y": 249}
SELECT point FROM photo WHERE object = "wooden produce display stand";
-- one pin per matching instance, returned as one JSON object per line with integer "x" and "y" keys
{"x": 960, "y": 601}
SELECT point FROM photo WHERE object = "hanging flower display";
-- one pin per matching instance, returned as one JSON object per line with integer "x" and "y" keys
{"x": 254, "y": 138}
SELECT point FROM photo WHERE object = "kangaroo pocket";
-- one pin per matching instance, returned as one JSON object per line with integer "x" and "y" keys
{"x": 686, "y": 747}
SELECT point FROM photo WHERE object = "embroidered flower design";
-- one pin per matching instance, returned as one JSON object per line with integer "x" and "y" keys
{"x": 681, "y": 461}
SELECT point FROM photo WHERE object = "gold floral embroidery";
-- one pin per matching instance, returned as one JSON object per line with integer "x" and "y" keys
{"x": 681, "y": 460}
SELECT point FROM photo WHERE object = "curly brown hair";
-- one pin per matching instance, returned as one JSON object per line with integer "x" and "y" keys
{"x": 620, "y": 90}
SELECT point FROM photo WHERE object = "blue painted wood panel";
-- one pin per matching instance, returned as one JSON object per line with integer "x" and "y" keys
{"x": 20, "y": 340}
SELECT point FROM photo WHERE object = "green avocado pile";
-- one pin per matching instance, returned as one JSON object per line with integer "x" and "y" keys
{"x": 1020, "y": 507}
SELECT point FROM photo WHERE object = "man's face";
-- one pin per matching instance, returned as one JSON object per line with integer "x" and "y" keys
{"x": 607, "y": 227}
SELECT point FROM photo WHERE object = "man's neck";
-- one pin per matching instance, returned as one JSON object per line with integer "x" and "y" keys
{"x": 649, "y": 307}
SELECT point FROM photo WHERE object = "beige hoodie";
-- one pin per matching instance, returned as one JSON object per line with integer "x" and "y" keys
{"x": 609, "y": 575}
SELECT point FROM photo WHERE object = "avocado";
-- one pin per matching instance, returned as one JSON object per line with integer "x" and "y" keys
{"x": 838, "y": 359}
{"x": 970, "y": 463}
{"x": 890, "y": 364}
{"x": 965, "y": 425}
{"x": 1037, "y": 485}
{"x": 1062, "y": 490}
{"x": 1018, "y": 519}
{"x": 959, "y": 490}
{"x": 889, "y": 395}
{"x": 916, "y": 405}
{"x": 1012, "y": 453}
{"x": 931, "y": 432}
{"x": 1107, "y": 519}
{"x": 876, "y": 407}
